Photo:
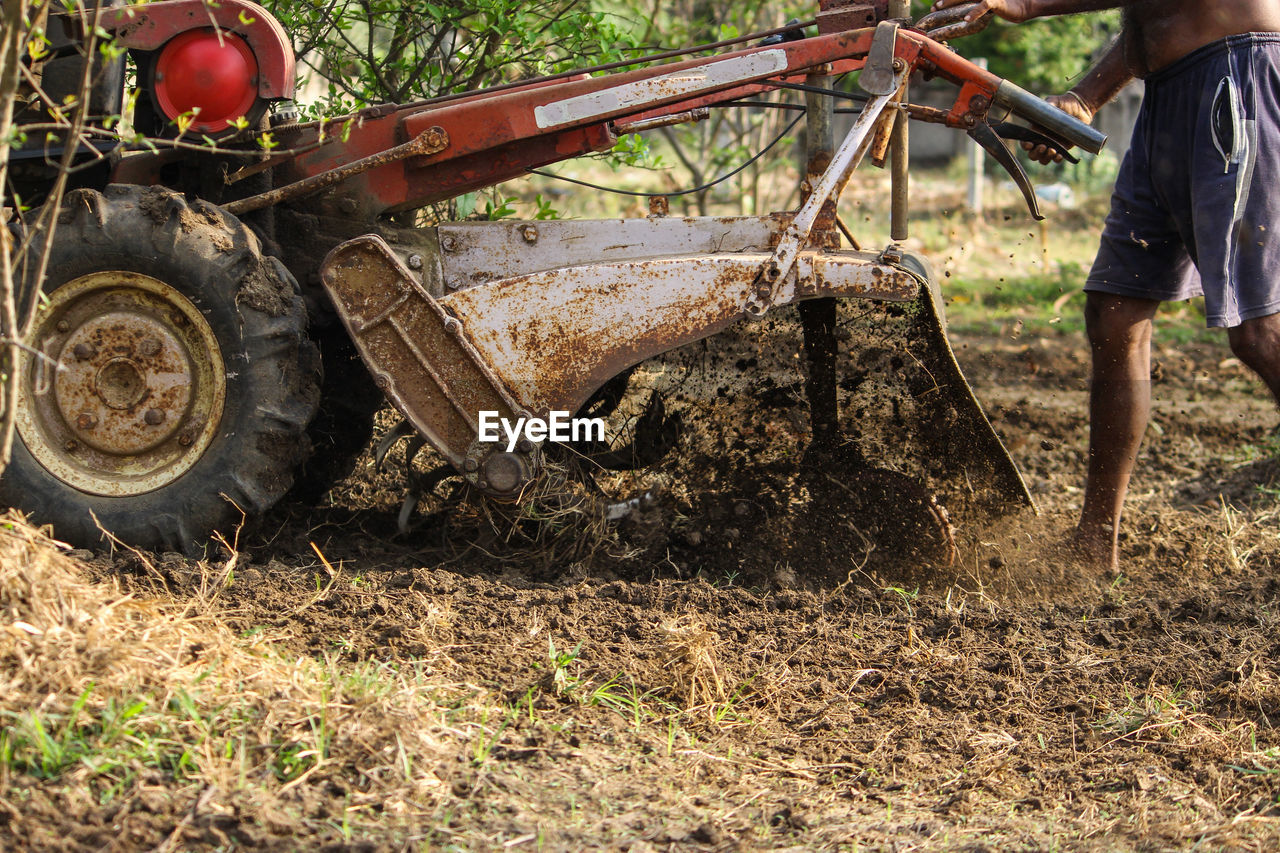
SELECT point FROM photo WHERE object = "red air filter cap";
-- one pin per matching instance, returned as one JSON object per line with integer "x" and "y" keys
{"x": 214, "y": 72}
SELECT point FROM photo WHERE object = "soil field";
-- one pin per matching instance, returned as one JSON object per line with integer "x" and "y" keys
{"x": 739, "y": 665}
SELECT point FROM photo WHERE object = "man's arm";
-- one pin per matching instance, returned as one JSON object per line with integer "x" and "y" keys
{"x": 1024, "y": 10}
{"x": 1104, "y": 80}
{"x": 1098, "y": 87}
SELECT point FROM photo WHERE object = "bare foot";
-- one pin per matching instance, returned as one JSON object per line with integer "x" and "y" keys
{"x": 1096, "y": 551}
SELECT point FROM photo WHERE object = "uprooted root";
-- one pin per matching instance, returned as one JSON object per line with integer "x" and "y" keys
{"x": 690, "y": 650}
{"x": 556, "y": 521}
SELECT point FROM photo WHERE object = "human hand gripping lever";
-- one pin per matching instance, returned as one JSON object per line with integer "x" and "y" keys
{"x": 952, "y": 18}
{"x": 1056, "y": 125}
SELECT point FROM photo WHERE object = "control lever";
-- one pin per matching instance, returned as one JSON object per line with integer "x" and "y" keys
{"x": 1021, "y": 133}
{"x": 947, "y": 24}
{"x": 983, "y": 134}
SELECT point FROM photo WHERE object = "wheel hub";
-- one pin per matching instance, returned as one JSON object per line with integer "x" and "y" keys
{"x": 131, "y": 388}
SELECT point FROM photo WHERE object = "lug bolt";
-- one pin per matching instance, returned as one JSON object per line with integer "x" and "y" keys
{"x": 186, "y": 439}
{"x": 470, "y": 466}
{"x": 154, "y": 417}
{"x": 64, "y": 326}
{"x": 149, "y": 347}
{"x": 86, "y": 421}
{"x": 71, "y": 445}
{"x": 84, "y": 351}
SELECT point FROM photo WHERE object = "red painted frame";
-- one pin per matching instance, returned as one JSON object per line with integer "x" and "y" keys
{"x": 495, "y": 136}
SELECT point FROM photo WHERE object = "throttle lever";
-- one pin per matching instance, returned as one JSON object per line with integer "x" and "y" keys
{"x": 1009, "y": 130}
{"x": 984, "y": 135}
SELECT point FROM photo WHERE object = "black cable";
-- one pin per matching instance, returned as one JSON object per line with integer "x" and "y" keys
{"x": 830, "y": 93}
{"x": 706, "y": 186}
{"x": 778, "y": 106}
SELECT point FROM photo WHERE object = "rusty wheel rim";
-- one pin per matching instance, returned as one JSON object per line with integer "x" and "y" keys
{"x": 128, "y": 388}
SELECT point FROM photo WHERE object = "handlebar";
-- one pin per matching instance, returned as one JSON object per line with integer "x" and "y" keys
{"x": 1060, "y": 124}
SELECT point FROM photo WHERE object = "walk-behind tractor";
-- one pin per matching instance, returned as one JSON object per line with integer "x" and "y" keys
{"x": 219, "y": 323}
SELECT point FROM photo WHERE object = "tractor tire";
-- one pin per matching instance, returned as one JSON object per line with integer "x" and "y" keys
{"x": 177, "y": 379}
{"x": 343, "y": 428}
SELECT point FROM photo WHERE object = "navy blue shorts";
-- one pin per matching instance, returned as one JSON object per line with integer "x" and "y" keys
{"x": 1196, "y": 209}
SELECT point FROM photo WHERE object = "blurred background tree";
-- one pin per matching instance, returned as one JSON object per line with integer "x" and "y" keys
{"x": 377, "y": 51}
{"x": 1046, "y": 55}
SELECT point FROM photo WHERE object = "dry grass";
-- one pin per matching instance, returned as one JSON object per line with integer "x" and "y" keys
{"x": 106, "y": 698}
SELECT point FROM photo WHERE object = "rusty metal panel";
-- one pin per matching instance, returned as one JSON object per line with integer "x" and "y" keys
{"x": 553, "y": 337}
{"x": 416, "y": 352}
{"x": 475, "y": 253}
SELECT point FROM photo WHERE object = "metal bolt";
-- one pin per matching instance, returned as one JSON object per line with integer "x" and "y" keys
{"x": 449, "y": 244}
{"x": 415, "y": 262}
{"x": 154, "y": 417}
{"x": 483, "y": 484}
{"x": 178, "y": 319}
{"x": 149, "y": 347}
{"x": 64, "y": 326}
{"x": 470, "y": 465}
{"x": 71, "y": 445}
{"x": 186, "y": 439}
{"x": 762, "y": 292}
{"x": 452, "y": 325}
{"x": 347, "y": 205}
{"x": 899, "y": 64}
{"x": 529, "y": 233}
{"x": 85, "y": 351}
{"x": 86, "y": 421}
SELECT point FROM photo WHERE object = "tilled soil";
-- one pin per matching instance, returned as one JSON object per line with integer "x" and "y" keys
{"x": 736, "y": 669}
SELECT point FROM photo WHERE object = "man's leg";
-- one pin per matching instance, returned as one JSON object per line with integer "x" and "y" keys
{"x": 1257, "y": 343}
{"x": 1119, "y": 330}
